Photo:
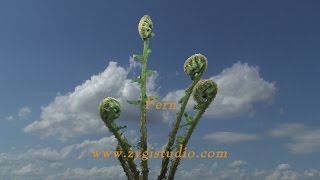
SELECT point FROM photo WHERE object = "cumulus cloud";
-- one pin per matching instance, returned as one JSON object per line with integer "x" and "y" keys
{"x": 239, "y": 170}
{"x": 312, "y": 174}
{"x": 49, "y": 163}
{"x": 283, "y": 172}
{"x": 33, "y": 163}
{"x": 234, "y": 170}
{"x": 29, "y": 170}
{"x": 303, "y": 139}
{"x": 40, "y": 155}
{"x": 111, "y": 172}
{"x": 9, "y": 118}
{"x": 239, "y": 88}
{"x": 47, "y": 154}
{"x": 87, "y": 146}
{"x": 16, "y": 169}
{"x": 230, "y": 137}
{"x": 24, "y": 112}
{"x": 13, "y": 166}
{"x": 238, "y": 163}
{"x": 76, "y": 113}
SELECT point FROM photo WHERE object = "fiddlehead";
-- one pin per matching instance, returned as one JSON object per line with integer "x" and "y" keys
{"x": 204, "y": 92}
{"x": 195, "y": 65}
{"x": 109, "y": 111}
{"x": 145, "y": 31}
{"x": 145, "y": 27}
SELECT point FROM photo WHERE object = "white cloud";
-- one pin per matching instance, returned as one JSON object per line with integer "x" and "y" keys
{"x": 28, "y": 170}
{"x": 312, "y": 174}
{"x": 24, "y": 112}
{"x": 283, "y": 172}
{"x": 304, "y": 139}
{"x": 104, "y": 144}
{"x": 12, "y": 167}
{"x": 87, "y": 146}
{"x": 239, "y": 170}
{"x": 234, "y": 170}
{"x": 287, "y": 129}
{"x": 9, "y": 118}
{"x": 16, "y": 167}
{"x": 230, "y": 137}
{"x": 111, "y": 172}
{"x": 42, "y": 154}
{"x": 238, "y": 163}
{"x": 47, "y": 154}
{"x": 198, "y": 172}
{"x": 76, "y": 113}
{"x": 239, "y": 88}
{"x": 49, "y": 163}
{"x": 33, "y": 163}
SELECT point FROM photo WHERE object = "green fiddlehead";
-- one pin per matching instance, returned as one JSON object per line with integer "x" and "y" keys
{"x": 109, "y": 111}
{"x": 145, "y": 27}
{"x": 194, "y": 66}
{"x": 145, "y": 31}
{"x": 204, "y": 92}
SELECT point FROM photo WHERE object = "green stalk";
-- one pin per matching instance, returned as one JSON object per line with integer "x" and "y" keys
{"x": 143, "y": 111}
{"x": 125, "y": 146}
{"x": 124, "y": 164}
{"x": 184, "y": 143}
{"x": 175, "y": 128}
{"x": 109, "y": 111}
{"x": 204, "y": 93}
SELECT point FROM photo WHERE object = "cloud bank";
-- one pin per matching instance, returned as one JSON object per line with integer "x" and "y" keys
{"x": 76, "y": 113}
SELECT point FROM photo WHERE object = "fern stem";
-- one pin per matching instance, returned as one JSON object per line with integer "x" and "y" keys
{"x": 203, "y": 93}
{"x": 143, "y": 111}
{"x": 125, "y": 146}
{"x": 124, "y": 164}
{"x": 175, "y": 128}
{"x": 184, "y": 143}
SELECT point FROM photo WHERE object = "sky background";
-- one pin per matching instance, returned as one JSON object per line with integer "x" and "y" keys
{"x": 58, "y": 59}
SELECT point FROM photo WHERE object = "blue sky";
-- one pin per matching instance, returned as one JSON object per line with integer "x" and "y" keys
{"x": 60, "y": 58}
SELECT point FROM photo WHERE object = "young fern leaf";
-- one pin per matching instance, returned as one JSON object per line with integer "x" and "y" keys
{"x": 189, "y": 118}
{"x": 196, "y": 107}
{"x": 181, "y": 100}
{"x": 121, "y": 127}
{"x": 150, "y": 72}
{"x": 151, "y": 98}
{"x": 137, "y": 80}
{"x": 179, "y": 140}
{"x": 134, "y": 102}
{"x": 183, "y": 125}
{"x": 137, "y": 57}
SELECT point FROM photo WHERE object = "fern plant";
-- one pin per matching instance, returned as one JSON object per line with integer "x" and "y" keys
{"x": 203, "y": 92}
